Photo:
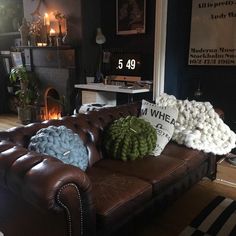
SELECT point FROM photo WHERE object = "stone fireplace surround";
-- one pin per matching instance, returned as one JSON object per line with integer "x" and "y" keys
{"x": 55, "y": 69}
{"x": 59, "y": 80}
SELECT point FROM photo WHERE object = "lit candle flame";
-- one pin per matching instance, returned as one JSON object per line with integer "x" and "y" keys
{"x": 46, "y": 19}
{"x": 52, "y": 32}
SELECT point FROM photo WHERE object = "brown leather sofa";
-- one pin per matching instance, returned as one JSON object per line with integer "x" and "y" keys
{"x": 40, "y": 195}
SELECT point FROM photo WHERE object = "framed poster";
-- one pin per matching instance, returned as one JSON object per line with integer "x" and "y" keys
{"x": 130, "y": 17}
{"x": 212, "y": 38}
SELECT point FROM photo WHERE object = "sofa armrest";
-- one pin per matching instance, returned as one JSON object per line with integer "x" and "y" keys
{"x": 49, "y": 185}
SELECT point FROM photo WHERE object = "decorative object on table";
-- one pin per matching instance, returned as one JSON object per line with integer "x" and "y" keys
{"x": 26, "y": 93}
{"x": 100, "y": 40}
{"x": 130, "y": 17}
{"x": 60, "y": 18}
{"x": 163, "y": 120}
{"x": 217, "y": 218}
{"x": 52, "y": 37}
{"x": 66, "y": 38}
{"x": 198, "y": 92}
{"x": 130, "y": 138}
{"x": 62, "y": 143}
{"x": 198, "y": 126}
{"x": 46, "y": 28}
{"x": 35, "y": 29}
{"x": 24, "y": 32}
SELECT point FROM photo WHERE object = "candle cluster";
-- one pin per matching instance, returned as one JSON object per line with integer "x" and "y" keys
{"x": 49, "y": 20}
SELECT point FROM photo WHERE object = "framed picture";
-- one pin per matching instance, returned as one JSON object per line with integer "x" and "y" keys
{"x": 130, "y": 17}
{"x": 6, "y": 60}
{"x": 16, "y": 59}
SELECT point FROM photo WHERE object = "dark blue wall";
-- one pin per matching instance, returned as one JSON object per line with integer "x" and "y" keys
{"x": 218, "y": 83}
{"x": 178, "y": 26}
{"x": 140, "y": 43}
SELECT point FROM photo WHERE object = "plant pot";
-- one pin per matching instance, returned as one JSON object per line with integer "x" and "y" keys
{"x": 24, "y": 114}
{"x": 24, "y": 85}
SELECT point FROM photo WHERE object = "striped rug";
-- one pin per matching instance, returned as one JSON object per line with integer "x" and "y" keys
{"x": 217, "y": 218}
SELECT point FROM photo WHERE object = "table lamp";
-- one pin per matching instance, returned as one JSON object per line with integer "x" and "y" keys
{"x": 100, "y": 39}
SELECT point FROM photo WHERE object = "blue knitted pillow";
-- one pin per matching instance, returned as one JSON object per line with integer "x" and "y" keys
{"x": 61, "y": 143}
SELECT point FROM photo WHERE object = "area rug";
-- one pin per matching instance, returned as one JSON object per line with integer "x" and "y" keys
{"x": 218, "y": 218}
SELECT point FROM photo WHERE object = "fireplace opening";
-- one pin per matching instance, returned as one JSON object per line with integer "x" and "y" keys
{"x": 52, "y": 105}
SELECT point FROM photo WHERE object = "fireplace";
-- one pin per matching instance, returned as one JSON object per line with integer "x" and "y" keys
{"x": 55, "y": 70}
{"x": 52, "y": 107}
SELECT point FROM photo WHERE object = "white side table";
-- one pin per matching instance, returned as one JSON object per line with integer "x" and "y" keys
{"x": 99, "y": 92}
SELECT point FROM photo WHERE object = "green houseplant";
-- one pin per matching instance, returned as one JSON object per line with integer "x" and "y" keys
{"x": 25, "y": 92}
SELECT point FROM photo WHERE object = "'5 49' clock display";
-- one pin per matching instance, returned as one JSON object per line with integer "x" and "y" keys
{"x": 126, "y": 64}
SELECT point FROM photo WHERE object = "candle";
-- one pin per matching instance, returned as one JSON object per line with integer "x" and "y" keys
{"x": 52, "y": 32}
{"x": 46, "y": 20}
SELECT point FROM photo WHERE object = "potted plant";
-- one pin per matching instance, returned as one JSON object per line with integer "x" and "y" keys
{"x": 20, "y": 74}
{"x": 26, "y": 93}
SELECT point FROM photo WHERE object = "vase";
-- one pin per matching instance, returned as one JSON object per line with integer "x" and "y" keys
{"x": 98, "y": 77}
{"x": 66, "y": 39}
{"x": 34, "y": 40}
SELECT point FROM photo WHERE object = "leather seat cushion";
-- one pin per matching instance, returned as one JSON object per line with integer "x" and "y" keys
{"x": 116, "y": 195}
{"x": 160, "y": 171}
{"x": 192, "y": 157}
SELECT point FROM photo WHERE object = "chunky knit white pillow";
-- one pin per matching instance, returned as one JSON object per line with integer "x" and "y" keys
{"x": 198, "y": 126}
{"x": 163, "y": 120}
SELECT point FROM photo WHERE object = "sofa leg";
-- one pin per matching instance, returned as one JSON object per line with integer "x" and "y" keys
{"x": 212, "y": 167}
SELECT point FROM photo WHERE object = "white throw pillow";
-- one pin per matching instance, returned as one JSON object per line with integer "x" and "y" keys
{"x": 163, "y": 120}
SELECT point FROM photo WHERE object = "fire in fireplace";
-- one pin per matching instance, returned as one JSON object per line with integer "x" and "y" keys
{"x": 52, "y": 105}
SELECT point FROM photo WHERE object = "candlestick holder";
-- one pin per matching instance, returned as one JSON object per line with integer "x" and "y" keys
{"x": 48, "y": 40}
{"x": 52, "y": 40}
{"x": 60, "y": 35}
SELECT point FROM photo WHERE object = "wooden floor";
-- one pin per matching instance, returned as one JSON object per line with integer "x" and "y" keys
{"x": 8, "y": 121}
{"x": 174, "y": 219}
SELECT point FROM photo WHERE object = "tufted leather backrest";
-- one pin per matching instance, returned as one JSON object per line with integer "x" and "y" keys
{"x": 90, "y": 128}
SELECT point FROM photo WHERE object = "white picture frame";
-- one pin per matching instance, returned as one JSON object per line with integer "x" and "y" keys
{"x": 16, "y": 59}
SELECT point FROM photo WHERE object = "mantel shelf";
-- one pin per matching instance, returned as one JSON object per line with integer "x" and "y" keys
{"x": 46, "y": 47}
{"x": 10, "y": 34}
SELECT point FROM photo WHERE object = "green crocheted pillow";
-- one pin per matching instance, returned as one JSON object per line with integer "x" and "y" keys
{"x": 130, "y": 138}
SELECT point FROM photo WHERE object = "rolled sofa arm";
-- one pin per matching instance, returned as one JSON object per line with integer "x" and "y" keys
{"x": 48, "y": 184}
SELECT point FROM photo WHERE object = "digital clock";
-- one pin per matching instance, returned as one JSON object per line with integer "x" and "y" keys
{"x": 130, "y": 64}
{"x": 126, "y": 64}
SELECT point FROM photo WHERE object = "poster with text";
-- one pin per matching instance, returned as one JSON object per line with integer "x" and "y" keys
{"x": 213, "y": 33}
